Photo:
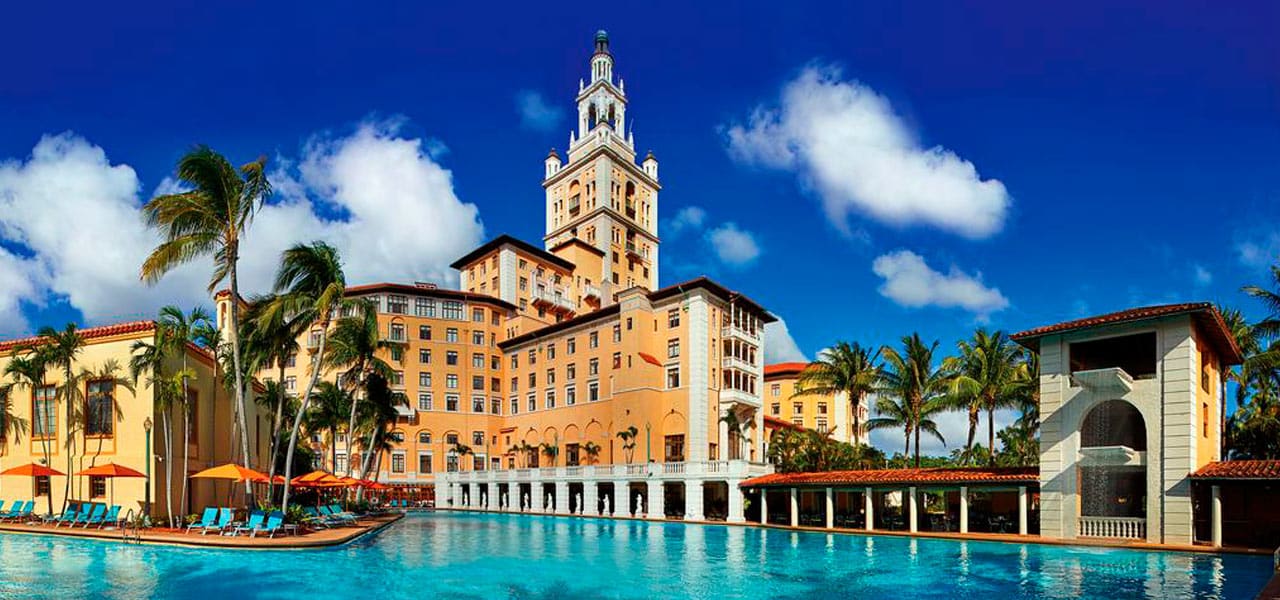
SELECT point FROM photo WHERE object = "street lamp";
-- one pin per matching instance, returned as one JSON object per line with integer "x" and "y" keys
{"x": 146, "y": 426}
{"x": 648, "y": 443}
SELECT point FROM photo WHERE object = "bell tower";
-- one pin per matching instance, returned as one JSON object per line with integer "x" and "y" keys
{"x": 600, "y": 195}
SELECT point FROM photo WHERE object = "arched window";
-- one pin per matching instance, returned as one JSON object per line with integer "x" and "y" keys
{"x": 1114, "y": 423}
{"x": 424, "y": 437}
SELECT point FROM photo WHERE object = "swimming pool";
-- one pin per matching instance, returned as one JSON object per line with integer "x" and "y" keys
{"x": 468, "y": 555}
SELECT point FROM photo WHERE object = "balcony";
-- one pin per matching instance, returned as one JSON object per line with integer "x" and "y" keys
{"x": 1112, "y": 456}
{"x": 591, "y": 291}
{"x": 574, "y": 205}
{"x": 634, "y": 252}
{"x": 730, "y": 395}
{"x": 734, "y": 362}
{"x": 553, "y": 298}
{"x": 1124, "y": 528}
{"x": 1109, "y": 380}
{"x": 736, "y": 331}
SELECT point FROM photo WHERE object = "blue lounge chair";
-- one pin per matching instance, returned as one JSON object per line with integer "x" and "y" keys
{"x": 208, "y": 519}
{"x": 337, "y": 516}
{"x": 313, "y": 517}
{"x": 72, "y": 514}
{"x": 21, "y": 513}
{"x": 110, "y": 517}
{"x": 255, "y": 522}
{"x": 275, "y": 522}
{"x": 343, "y": 514}
{"x": 13, "y": 508}
{"x": 96, "y": 511}
{"x": 225, "y": 516}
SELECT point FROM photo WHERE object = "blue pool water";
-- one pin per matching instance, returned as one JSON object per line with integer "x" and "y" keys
{"x": 457, "y": 555}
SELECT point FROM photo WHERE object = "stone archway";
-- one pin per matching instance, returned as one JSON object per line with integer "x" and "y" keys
{"x": 1113, "y": 471}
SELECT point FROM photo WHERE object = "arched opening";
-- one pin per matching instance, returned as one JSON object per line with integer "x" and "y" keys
{"x": 1114, "y": 423}
{"x": 575, "y": 197}
{"x": 1113, "y": 472}
{"x": 630, "y": 199}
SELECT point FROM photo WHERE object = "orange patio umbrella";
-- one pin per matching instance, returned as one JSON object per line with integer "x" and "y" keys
{"x": 314, "y": 479}
{"x": 110, "y": 470}
{"x": 34, "y": 470}
{"x": 230, "y": 471}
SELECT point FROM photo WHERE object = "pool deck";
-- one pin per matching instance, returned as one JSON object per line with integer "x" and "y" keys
{"x": 1272, "y": 591}
{"x": 984, "y": 537}
{"x": 156, "y": 535}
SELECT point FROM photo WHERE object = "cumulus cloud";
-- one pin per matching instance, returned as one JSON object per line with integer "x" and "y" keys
{"x": 910, "y": 282}
{"x": 536, "y": 113}
{"x": 846, "y": 142}
{"x": 734, "y": 246}
{"x": 1201, "y": 275}
{"x": 380, "y": 198}
{"x": 779, "y": 346}
{"x": 1260, "y": 252}
{"x": 689, "y": 218}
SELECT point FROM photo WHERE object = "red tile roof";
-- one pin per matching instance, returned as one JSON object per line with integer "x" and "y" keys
{"x": 901, "y": 476}
{"x": 89, "y": 333}
{"x": 1239, "y": 469}
{"x": 786, "y": 368}
{"x": 1204, "y": 313}
{"x": 777, "y": 423}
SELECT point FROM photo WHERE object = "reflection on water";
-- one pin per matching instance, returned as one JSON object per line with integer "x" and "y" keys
{"x": 511, "y": 556}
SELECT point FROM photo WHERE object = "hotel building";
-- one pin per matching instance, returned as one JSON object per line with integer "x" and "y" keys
{"x": 819, "y": 412}
{"x": 546, "y": 354}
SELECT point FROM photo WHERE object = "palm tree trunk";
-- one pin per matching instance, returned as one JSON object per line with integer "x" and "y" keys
{"x": 351, "y": 424}
{"x": 302, "y": 410}
{"x": 917, "y": 445}
{"x": 991, "y": 435}
{"x": 275, "y": 430}
{"x": 973, "y": 425}
{"x": 333, "y": 448}
{"x": 45, "y": 446}
{"x": 233, "y": 256}
{"x": 71, "y": 438}
{"x": 168, "y": 467}
{"x": 186, "y": 432}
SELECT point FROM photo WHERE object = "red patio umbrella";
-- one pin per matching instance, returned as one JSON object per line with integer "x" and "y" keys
{"x": 110, "y": 470}
{"x": 34, "y": 470}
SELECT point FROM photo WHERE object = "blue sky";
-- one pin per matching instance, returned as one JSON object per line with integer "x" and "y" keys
{"x": 863, "y": 170}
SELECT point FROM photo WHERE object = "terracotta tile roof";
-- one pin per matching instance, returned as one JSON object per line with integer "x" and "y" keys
{"x": 520, "y": 244}
{"x": 90, "y": 333}
{"x": 901, "y": 476}
{"x": 425, "y": 290}
{"x": 1239, "y": 469}
{"x": 1205, "y": 314}
{"x": 777, "y": 423}
{"x": 786, "y": 368}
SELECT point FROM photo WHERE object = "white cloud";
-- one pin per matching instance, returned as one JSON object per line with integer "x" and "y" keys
{"x": 954, "y": 427}
{"x": 779, "y": 345}
{"x": 689, "y": 218}
{"x": 846, "y": 142}
{"x": 536, "y": 113}
{"x": 1201, "y": 275}
{"x": 910, "y": 282}
{"x": 378, "y": 197}
{"x": 1261, "y": 252}
{"x": 734, "y": 246}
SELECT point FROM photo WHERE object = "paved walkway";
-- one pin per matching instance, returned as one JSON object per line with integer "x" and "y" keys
{"x": 156, "y": 535}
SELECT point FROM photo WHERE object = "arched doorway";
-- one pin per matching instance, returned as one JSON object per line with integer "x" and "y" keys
{"x": 1113, "y": 471}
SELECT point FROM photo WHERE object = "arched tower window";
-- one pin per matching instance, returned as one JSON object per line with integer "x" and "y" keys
{"x": 1114, "y": 423}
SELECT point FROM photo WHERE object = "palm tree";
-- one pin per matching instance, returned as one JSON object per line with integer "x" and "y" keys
{"x": 28, "y": 368}
{"x": 148, "y": 359}
{"x": 210, "y": 219}
{"x": 61, "y": 349}
{"x": 628, "y": 437}
{"x": 986, "y": 377}
{"x": 309, "y": 287}
{"x": 271, "y": 339}
{"x": 108, "y": 373}
{"x": 179, "y": 330}
{"x": 592, "y": 451}
{"x": 12, "y": 427}
{"x": 911, "y": 378}
{"x": 846, "y": 369}
{"x": 353, "y": 347}
{"x": 551, "y": 451}
{"x": 329, "y": 408}
{"x": 378, "y": 413}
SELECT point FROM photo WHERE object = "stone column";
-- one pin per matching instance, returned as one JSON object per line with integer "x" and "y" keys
{"x": 562, "y": 497}
{"x": 764, "y": 506}
{"x": 1216, "y": 516}
{"x": 736, "y": 512}
{"x": 656, "y": 500}
{"x": 1022, "y": 510}
{"x": 869, "y": 507}
{"x": 795, "y": 507}
{"x": 964, "y": 509}
{"x": 911, "y": 504}
{"x": 693, "y": 500}
{"x": 831, "y": 508}
{"x": 619, "y": 502}
{"x": 590, "y": 498}
{"x": 535, "y": 495}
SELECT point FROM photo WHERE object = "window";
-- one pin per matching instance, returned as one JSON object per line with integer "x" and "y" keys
{"x": 515, "y": 384}
{"x": 797, "y": 407}
{"x": 1204, "y": 419}
{"x": 451, "y": 439}
{"x": 477, "y": 314}
{"x": 477, "y": 404}
{"x": 477, "y": 438}
{"x": 570, "y": 372}
{"x": 424, "y": 463}
{"x": 551, "y": 351}
{"x": 775, "y": 390}
{"x": 617, "y": 360}
{"x": 424, "y": 379}
{"x": 397, "y": 332}
{"x": 397, "y": 305}
{"x": 451, "y": 381}
{"x": 495, "y": 363}
{"x": 397, "y": 353}
{"x": 477, "y": 338}
{"x": 451, "y": 402}
{"x": 477, "y": 462}
{"x": 628, "y": 324}
{"x": 291, "y": 383}
{"x": 495, "y": 406}
{"x": 424, "y": 356}
{"x": 477, "y": 382}
{"x": 424, "y": 437}
{"x": 593, "y": 391}
{"x": 593, "y": 367}
{"x": 452, "y": 309}
{"x": 515, "y": 361}
{"x": 797, "y": 421}
{"x": 533, "y": 379}
{"x": 775, "y": 409}
{"x": 99, "y": 411}
{"x": 451, "y": 357}
{"x": 451, "y": 462}
{"x": 571, "y": 455}
{"x": 822, "y": 408}
{"x": 673, "y": 348}
{"x": 821, "y": 424}
{"x": 515, "y": 405}
{"x": 339, "y": 463}
{"x": 551, "y": 399}
{"x": 673, "y": 448}
{"x": 397, "y": 378}
{"x": 424, "y": 332}
{"x": 424, "y": 307}
{"x": 451, "y": 335}
{"x": 551, "y": 376}
{"x": 42, "y": 486}
{"x": 533, "y": 357}
{"x": 524, "y": 283}
{"x": 44, "y": 424}
{"x": 495, "y": 385}
{"x": 593, "y": 339}
{"x": 533, "y": 402}
{"x": 570, "y": 396}
{"x": 397, "y": 462}
{"x": 673, "y": 377}
{"x": 424, "y": 403}
{"x": 617, "y": 333}
{"x": 97, "y": 487}
{"x": 673, "y": 318}
{"x": 570, "y": 346}
{"x": 477, "y": 360}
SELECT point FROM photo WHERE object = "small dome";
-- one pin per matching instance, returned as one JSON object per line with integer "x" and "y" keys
{"x": 602, "y": 36}
{"x": 650, "y": 156}
{"x": 553, "y": 154}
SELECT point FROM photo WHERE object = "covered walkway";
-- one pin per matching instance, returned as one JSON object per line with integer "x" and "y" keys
{"x": 970, "y": 500}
